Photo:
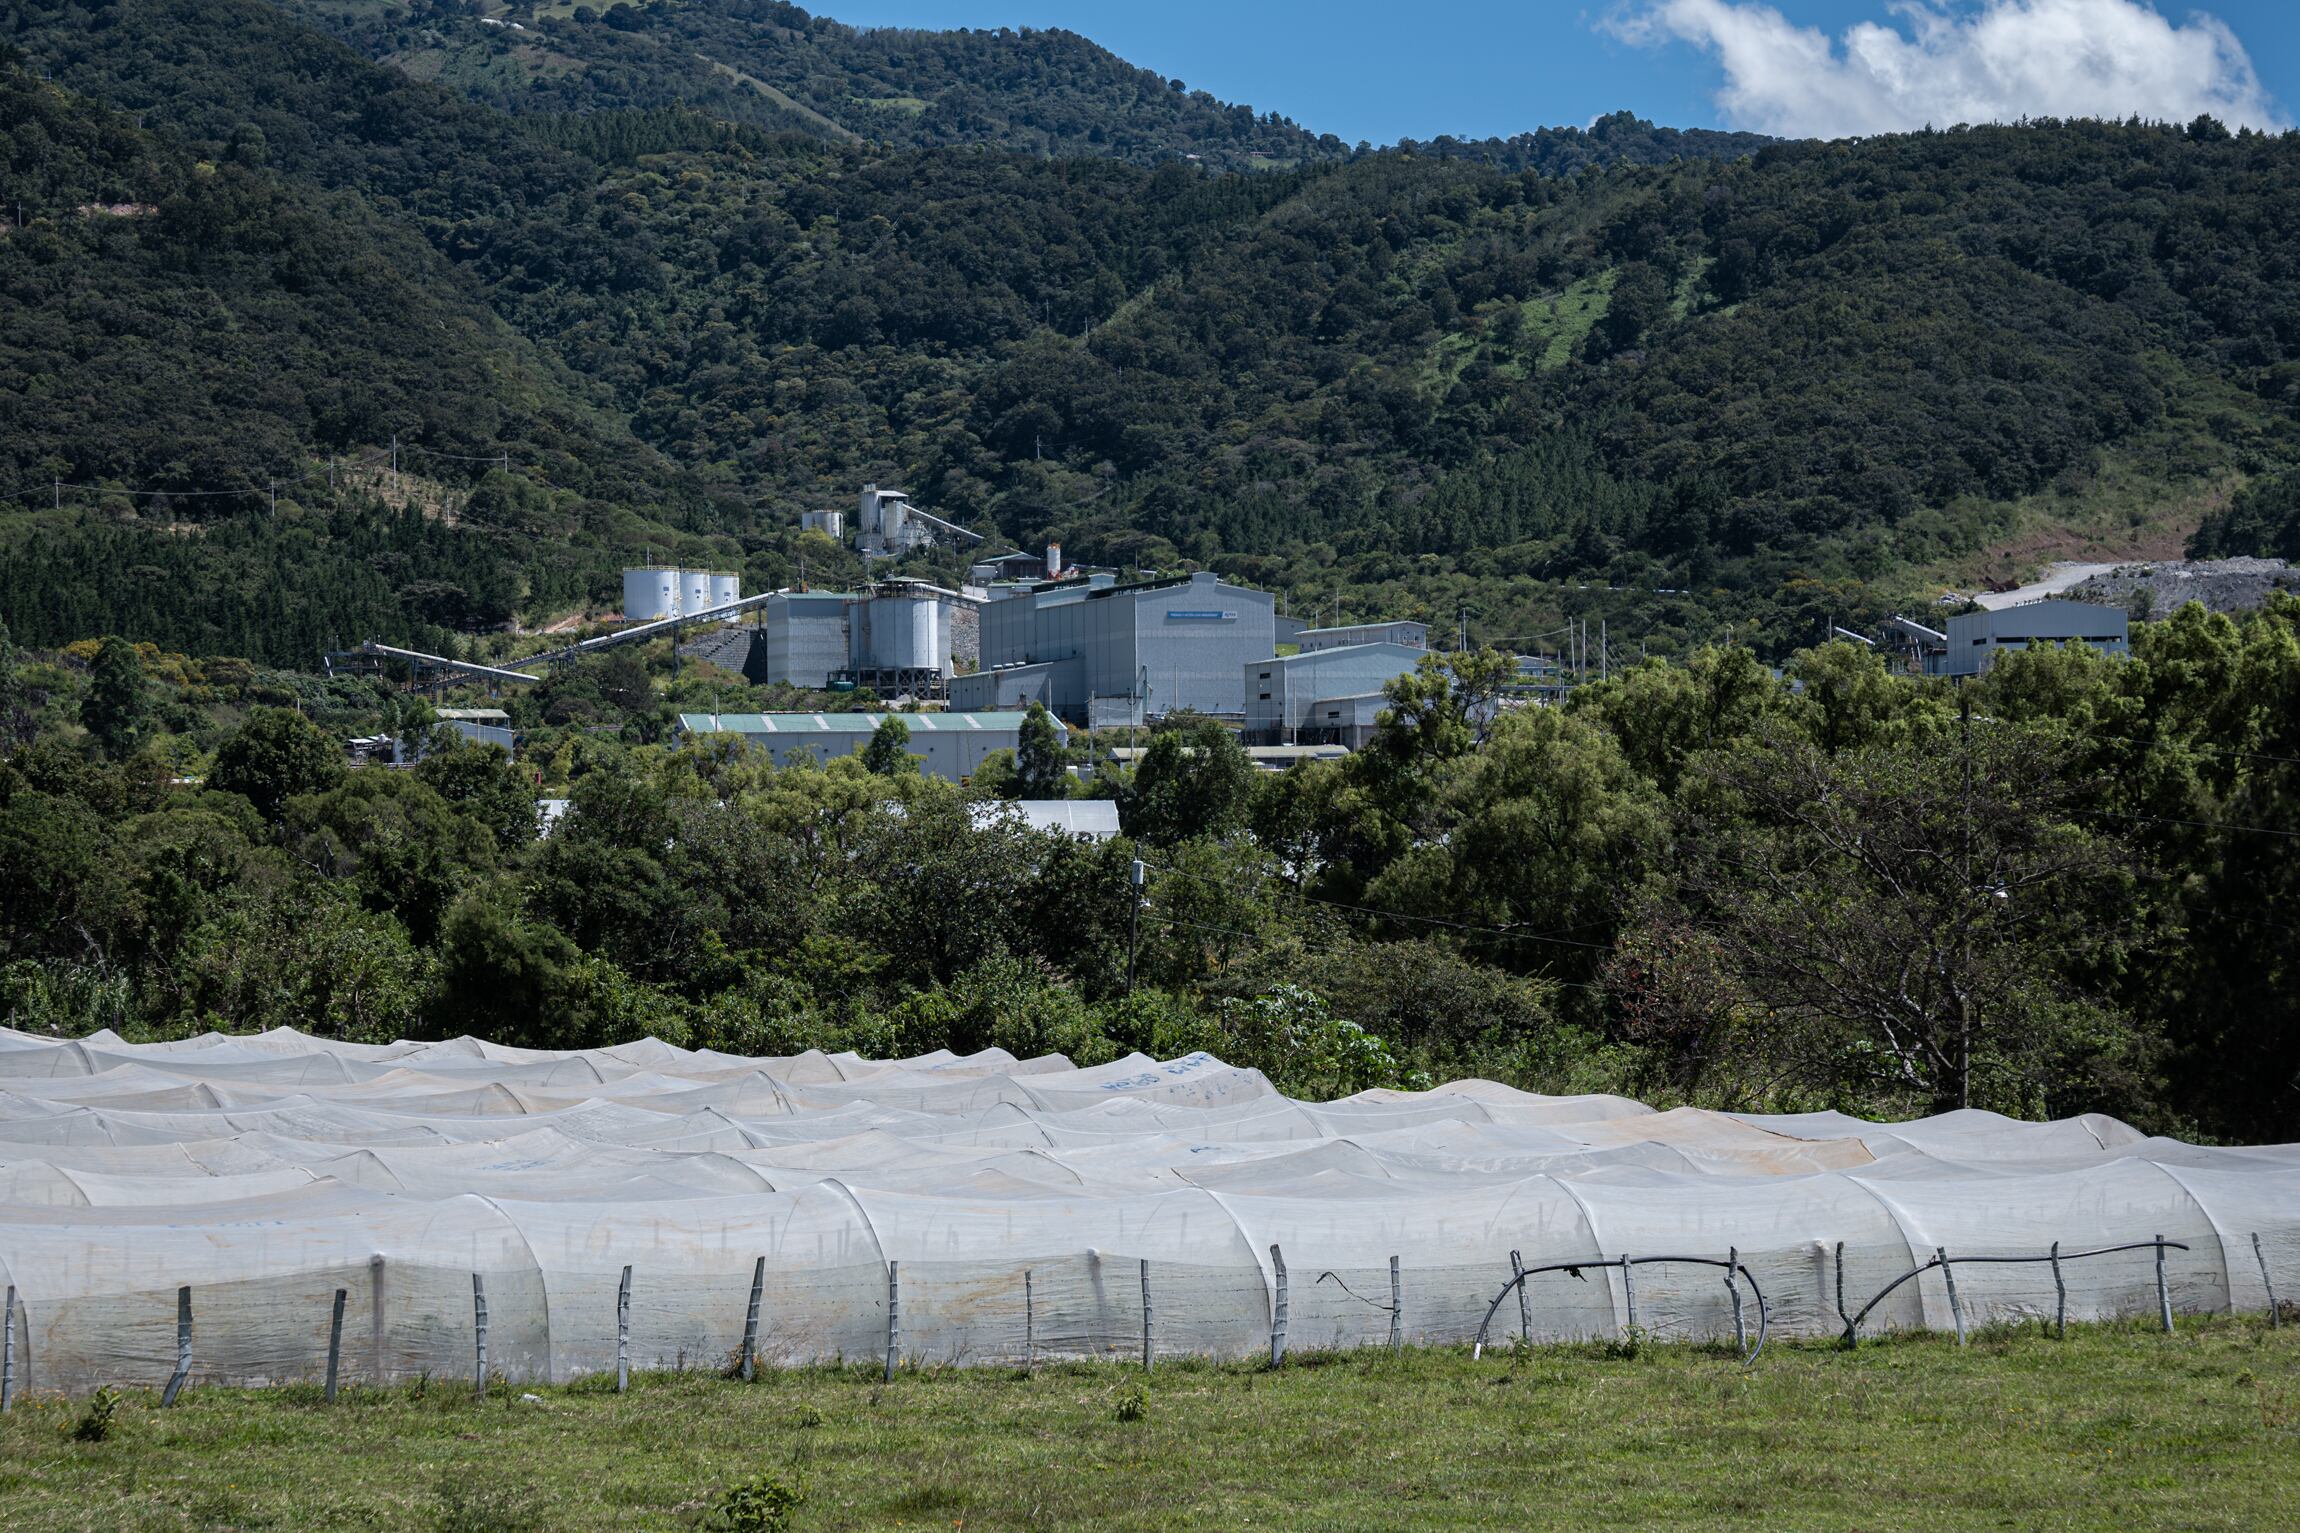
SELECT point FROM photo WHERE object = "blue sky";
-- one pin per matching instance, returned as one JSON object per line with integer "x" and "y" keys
{"x": 1824, "y": 67}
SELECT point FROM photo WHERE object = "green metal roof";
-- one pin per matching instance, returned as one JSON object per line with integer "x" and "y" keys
{"x": 843, "y": 723}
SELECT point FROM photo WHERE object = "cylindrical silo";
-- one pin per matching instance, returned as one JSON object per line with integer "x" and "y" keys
{"x": 724, "y": 589}
{"x": 895, "y": 633}
{"x": 694, "y": 591}
{"x": 649, "y": 594}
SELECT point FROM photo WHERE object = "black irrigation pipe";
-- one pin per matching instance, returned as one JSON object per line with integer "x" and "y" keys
{"x": 1948, "y": 1265}
{"x": 1733, "y": 1265}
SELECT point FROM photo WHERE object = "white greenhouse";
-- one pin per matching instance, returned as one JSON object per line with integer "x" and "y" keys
{"x": 1009, "y": 1209}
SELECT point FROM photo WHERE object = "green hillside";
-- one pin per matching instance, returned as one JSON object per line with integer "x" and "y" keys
{"x": 1767, "y": 391}
{"x": 772, "y": 65}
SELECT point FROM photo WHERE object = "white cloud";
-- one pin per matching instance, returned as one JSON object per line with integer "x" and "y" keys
{"x": 1997, "y": 61}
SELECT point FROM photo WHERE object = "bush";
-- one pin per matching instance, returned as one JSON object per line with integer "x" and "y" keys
{"x": 95, "y": 1425}
{"x": 760, "y": 1505}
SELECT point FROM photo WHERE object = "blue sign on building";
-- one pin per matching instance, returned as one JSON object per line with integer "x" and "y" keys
{"x": 1173, "y": 616}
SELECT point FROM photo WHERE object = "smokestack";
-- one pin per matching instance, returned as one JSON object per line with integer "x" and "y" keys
{"x": 1054, "y": 561}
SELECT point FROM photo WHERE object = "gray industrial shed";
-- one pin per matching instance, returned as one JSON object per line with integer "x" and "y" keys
{"x": 1282, "y": 692}
{"x": 1167, "y": 644}
{"x": 1013, "y": 686}
{"x": 1975, "y": 639}
{"x": 1347, "y": 721}
{"x": 1401, "y": 631}
{"x": 948, "y": 745}
{"x": 806, "y": 638}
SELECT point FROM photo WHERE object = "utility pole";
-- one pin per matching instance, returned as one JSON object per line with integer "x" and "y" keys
{"x": 272, "y": 504}
{"x": 395, "y": 454}
{"x": 1604, "y": 653}
{"x": 1133, "y": 918}
{"x": 1968, "y": 916}
{"x": 56, "y": 494}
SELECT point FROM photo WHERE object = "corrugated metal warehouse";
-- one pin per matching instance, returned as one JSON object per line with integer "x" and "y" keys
{"x": 1288, "y": 696}
{"x": 1403, "y": 631}
{"x": 1168, "y": 644}
{"x": 1977, "y": 638}
{"x": 806, "y": 638}
{"x": 948, "y": 745}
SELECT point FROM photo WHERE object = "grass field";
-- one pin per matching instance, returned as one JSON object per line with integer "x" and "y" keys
{"x": 2114, "y": 1428}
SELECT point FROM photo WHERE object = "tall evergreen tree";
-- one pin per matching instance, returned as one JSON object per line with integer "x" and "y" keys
{"x": 118, "y": 708}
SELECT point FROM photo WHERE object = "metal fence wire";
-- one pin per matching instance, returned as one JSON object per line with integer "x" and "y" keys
{"x": 1092, "y": 1305}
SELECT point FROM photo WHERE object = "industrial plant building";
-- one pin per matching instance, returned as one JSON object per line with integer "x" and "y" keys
{"x": 948, "y": 745}
{"x": 480, "y": 726}
{"x": 1322, "y": 696}
{"x": 888, "y": 525}
{"x": 1404, "y": 631}
{"x": 1104, "y": 652}
{"x": 1975, "y": 639}
{"x": 895, "y": 638}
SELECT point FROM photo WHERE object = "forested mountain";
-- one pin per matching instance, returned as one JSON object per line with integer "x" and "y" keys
{"x": 772, "y": 65}
{"x": 1758, "y": 390}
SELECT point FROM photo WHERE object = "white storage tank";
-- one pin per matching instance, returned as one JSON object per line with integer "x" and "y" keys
{"x": 694, "y": 591}
{"x": 649, "y": 594}
{"x": 895, "y": 633}
{"x": 725, "y": 589}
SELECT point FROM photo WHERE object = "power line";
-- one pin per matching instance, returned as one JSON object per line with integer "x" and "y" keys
{"x": 2155, "y": 819}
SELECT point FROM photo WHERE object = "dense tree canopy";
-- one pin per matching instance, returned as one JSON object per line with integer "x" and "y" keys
{"x": 1836, "y": 887}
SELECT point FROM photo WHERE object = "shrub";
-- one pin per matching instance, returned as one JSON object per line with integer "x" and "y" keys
{"x": 760, "y": 1505}
{"x": 96, "y": 1425}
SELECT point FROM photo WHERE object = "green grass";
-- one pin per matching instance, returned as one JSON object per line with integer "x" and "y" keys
{"x": 1552, "y": 329}
{"x": 2115, "y": 1428}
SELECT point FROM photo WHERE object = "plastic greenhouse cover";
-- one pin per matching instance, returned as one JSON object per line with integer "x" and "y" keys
{"x": 1017, "y": 1207}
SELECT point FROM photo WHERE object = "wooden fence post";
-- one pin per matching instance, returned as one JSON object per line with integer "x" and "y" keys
{"x": 8, "y": 1356}
{"x": 1524, "y": 1299}
{"x": 2163, "y": 1288}
{"x": 335, "y": 1340}
{"x": 1278, "y": 1312}
{"x": 183, "y": 1347}
{"x": 1732, "y": 1272}
{"x": 1397, "y": 1309}
{"x": 1029, "y": 1324}
{"x": 2059, "y": 1296}
{"x": 1956, "y": 1306}
{"x": 893, "y": 1316}
{"x": 479, "y": 1326}
{"x": 1149, "y": 1342}
{"x": 1629, "y": 1293}
{"x": 623, "y": 1331}
{"x": 751, "y": 1321}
